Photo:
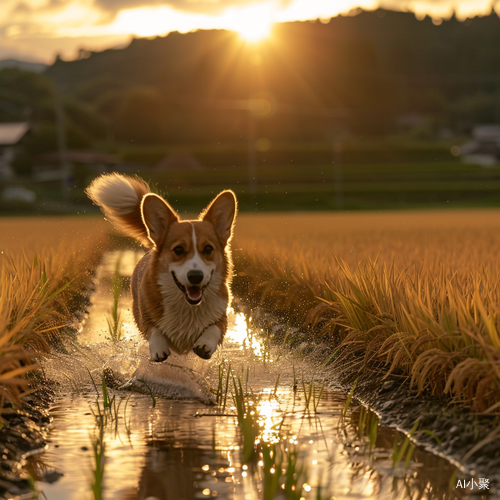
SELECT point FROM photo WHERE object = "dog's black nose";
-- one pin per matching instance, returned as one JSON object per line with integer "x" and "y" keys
{"x": 195, "y": 276}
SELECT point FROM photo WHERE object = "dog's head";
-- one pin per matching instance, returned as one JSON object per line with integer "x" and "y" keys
{"x": 190, "y": 253}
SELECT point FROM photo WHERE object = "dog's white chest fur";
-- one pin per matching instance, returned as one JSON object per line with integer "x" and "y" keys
{"x": 183, "y": 323}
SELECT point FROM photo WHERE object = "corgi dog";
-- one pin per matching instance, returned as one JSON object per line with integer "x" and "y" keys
{"x": 181, "y": 287}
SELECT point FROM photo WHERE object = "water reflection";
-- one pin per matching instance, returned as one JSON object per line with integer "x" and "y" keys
{"x": 242, "y": 335}
{"x": 173, "y": 449}
{"x": 270, "y": 419}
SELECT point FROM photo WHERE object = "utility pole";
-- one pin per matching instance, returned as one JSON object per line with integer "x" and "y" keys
{"x": 337, "y": 170}
{"x": 252, "y": 103}
{"x": 61, "y": 144}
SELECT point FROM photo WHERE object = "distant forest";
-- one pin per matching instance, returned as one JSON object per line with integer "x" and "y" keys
{"x": 361, "y": 73}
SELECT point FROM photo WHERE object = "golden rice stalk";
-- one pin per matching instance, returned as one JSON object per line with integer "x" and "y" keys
{"x": 35, "y": 293}
{"x": 435, "y": 327}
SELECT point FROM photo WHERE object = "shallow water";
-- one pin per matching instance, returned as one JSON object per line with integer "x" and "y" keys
{"x": 157, "y": 447}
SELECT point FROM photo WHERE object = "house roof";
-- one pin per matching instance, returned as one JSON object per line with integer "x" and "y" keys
{"x": 486, "y": 133}
{"x": 12, "y": 133}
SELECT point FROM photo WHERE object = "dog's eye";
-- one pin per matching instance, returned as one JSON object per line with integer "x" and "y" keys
{"x": 208, "y": 250}
{"x": 178, "y": 250}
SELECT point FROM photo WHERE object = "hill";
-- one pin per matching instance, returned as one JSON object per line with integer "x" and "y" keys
{"x": 376, "y": 65}
{"x": 23, "y": 65}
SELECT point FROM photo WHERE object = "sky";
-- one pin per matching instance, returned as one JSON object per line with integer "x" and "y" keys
{"x": 38, "y": 30}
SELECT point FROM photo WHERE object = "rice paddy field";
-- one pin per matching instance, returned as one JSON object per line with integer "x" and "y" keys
{"x": 410, "y": 297}
{"x": 45, "y": 268}
{"x": 417, "y": 291}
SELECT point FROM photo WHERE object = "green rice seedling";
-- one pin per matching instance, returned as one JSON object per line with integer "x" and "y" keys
{"x": 312, "y": 394}
{"x": 307, "y": 394}
{"x": 247, "y": 420}
{"x": 349, "y": 399}
{"x": 272, "y": 461}
{"x": 405, "y": 449}
{"x": 98, "y": 462}
{"x": 362, "y": 421}
{"x": 295, "y": 475}
{"x": 367, "y": 426}
{"x": 115, "y": 317}
{"x": 432, "y": 435}
{"x": 330, "y": 358}
{"x": 223, "y": 385}
{"x": 373, "y": 430}
{"x": 109, "y": 412}
{"x": 226, "y": 387}
{"x": 452, "y": 484}
{"x": 279, "y": 468}
{"x": 104, "y": 415}
{"x": 281, "y": 471}
{"x": 274, "y": 393}
{"x": 106, "y": 400}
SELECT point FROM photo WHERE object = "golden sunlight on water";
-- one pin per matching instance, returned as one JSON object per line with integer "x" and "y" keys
{"x": 240, "y": 333}
{"x": 162, "y": 448}
{"x": 270, "y": 418}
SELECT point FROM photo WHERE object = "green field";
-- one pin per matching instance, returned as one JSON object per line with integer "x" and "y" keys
{"x": 297, "y": 177}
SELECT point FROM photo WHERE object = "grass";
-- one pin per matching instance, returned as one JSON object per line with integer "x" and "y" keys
{"x": 416, "y": 294}
{"x": 405, "y": 449}
{"x": 274, "y": 463}
{"x": 349, "y": 399}
{"x": 44, "y": 266}
{"x": 247, "y": 420}
{"x": 312, "y": 395}
{"x": 106, "y": 413}
{"x": 223, "y": 385}
{"x": 281, "y": 471}
{"x": 99, "y": 450}
{"x": 367, "y": 426}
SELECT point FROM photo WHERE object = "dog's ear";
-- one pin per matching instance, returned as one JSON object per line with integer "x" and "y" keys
{"x": 157, "y": 215}
{"x": 221, "y": 213}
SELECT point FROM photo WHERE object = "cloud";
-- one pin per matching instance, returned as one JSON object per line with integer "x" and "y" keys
{"x": 442, "y": 9}
{"x": 67, "y": 24}
{"x": 207, "y": 7}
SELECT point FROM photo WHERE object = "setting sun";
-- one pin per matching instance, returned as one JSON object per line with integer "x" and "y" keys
{"x": 254, "y": 31}
{"x": 254, "y": 23}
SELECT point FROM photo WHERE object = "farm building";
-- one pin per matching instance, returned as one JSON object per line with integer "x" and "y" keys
{"x": 11, "y": 136}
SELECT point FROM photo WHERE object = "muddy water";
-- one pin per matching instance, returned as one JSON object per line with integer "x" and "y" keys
{"x": 167, "y": 440}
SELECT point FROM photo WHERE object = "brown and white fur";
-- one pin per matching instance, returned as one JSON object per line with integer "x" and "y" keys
{"x": 181, "y": 287}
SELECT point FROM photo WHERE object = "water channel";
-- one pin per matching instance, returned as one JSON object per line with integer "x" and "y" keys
{"x": 167, "y": 439}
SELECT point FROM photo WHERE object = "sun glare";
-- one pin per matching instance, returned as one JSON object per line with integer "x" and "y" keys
{"x": 254, "y": 32}
{"x": 254, "y": 23}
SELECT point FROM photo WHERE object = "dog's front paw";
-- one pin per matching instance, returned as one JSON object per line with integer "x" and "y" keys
{"x": 203, "y": 351}
{"x": 207, "y": 343}
{"x": 158, "y": 346}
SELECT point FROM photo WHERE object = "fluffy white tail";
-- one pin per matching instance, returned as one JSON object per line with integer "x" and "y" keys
{"x": 119, "y": 197}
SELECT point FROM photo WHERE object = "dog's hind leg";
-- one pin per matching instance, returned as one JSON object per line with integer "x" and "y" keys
{"x": 207, "y": 344}
{"x": 158, "y": 346}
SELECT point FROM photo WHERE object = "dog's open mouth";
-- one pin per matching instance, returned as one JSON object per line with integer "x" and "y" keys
{"x": 193, "y": 294}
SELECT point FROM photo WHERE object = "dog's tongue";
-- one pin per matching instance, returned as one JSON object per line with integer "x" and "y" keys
{"x": 194, "y": 292}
